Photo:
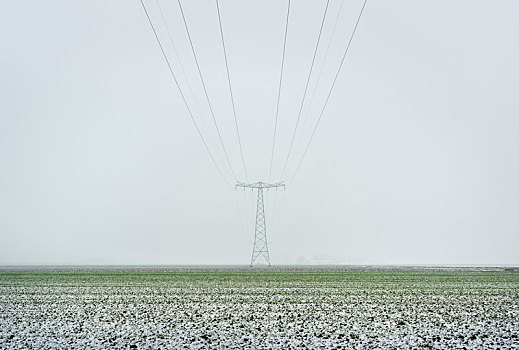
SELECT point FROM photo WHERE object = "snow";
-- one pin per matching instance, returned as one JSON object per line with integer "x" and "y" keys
{"x": 258, "y": 309}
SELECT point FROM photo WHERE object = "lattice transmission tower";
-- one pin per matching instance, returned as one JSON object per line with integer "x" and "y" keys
{"x": 260, "y": 248}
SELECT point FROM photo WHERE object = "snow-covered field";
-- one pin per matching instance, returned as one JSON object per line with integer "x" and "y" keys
{"x": 269, "y": 308}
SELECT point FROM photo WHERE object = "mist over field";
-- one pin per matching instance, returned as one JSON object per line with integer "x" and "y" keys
{"x": 259, "y": 174}
{"x": 415, "y": 160}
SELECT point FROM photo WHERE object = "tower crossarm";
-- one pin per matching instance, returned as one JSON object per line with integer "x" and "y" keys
{"x": 260, "y": 184}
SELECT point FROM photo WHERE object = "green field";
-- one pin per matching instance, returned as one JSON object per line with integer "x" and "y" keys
{"x": 259, "y": 308}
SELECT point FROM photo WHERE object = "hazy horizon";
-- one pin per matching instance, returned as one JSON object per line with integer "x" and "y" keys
{"x": 415, "y": 161}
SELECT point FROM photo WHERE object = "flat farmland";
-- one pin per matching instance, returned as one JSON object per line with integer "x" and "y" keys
{"x": 231, "y": 307}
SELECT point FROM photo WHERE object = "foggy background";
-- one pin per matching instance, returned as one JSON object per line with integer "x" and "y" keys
{"x": 415, "y": 160}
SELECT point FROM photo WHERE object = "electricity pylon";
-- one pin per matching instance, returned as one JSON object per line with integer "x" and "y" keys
{"x": 260, "y": 247}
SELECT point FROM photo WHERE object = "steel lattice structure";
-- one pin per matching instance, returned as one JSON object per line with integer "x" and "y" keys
{"x": 260, "y": 248}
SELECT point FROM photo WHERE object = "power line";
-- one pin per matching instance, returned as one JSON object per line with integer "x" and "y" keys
{"x": 176, "y": 53}
{"x": 230, "y": 90}
{"x": 279, "y": 210}
{"x": 306, "y": 88}
{"x": 238, "y": 211}
{"x": 331, "y": 88}
{"x": 170, "y": 36}
{"x": 181, "y": 93}
{"x": 318, "y": 80}
{"x": 279, "y": 91}
{"x": 205, "y": 89}
{"x": 322, "y": 64}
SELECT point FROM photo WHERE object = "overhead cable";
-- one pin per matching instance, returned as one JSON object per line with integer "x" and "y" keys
{"x": 306, "y": 88}
{"x": 331, "y": 89}
{"x": 230, "y": 90}
{"x": 170, "y": 36}
{"x": 182, "y": 94}
{"x": 310, "y": 103}
{"x": 279, "y": 90}
{"x": 205, "y": 89}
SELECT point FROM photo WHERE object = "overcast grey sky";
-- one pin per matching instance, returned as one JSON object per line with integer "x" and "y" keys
{"x": 415, "y": 161}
